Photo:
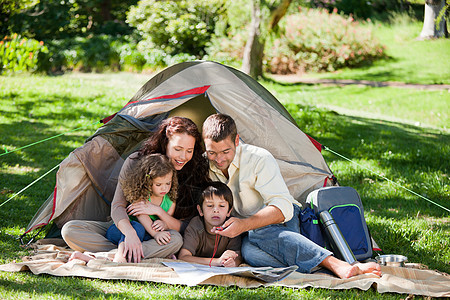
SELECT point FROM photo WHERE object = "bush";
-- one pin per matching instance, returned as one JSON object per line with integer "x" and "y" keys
{"x": 362, "y": 8}
{"x": 314, "y": 40}
{"x": 176, "y": 26}
{"x": 18, "y": 54}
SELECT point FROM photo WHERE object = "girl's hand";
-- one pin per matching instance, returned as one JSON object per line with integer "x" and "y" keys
{"x": 159, "y": 225}
{"x": 162, "y": 237}
{"x": 143, "y": 208}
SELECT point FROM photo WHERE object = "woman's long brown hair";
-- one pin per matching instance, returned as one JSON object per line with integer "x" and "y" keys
{"x": 193, "y": 175}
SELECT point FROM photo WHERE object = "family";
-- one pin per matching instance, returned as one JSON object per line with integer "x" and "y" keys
{"x": 222, "y": 205}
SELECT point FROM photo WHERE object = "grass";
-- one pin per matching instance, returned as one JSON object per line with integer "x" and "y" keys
{"x": 402, "y": 141}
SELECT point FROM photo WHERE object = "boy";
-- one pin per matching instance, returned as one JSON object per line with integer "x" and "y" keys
{"x": 200, "y": 244}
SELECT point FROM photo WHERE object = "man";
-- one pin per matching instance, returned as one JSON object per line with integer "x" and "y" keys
{"x": 263, "y": 206}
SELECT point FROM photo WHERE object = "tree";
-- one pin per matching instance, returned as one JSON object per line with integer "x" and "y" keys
{"x": 434, "y": 24}
{"x": 260, "y": 27}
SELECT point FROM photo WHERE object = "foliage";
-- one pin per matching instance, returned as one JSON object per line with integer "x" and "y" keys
{"x": 19, "y": 54}
{"x": 61, "y": 19}
{"x": 177, "y": 26}
{"x": 315, "y": 40}
{"x": 364, "y": 9}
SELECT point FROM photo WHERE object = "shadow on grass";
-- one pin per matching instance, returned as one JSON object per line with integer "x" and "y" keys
{"x": 44, "y": 285}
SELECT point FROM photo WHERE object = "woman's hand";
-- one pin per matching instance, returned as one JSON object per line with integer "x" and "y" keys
{"x": 143, "y": 208}
{"x": 133, "y": 248}
{"x": 162, "y": 237}
{"x": 159, "y": 225}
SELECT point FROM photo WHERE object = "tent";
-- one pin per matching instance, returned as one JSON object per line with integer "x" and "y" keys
{"x": 86, "y": 179}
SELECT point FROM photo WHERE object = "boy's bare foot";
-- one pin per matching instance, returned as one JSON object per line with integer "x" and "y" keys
{"x": 80, "y": 256}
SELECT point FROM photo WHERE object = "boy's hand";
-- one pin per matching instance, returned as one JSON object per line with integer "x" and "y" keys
{"x": 162, "y": 237}
{"x": 159, "y": 225}
{"x": 227, "y": 259}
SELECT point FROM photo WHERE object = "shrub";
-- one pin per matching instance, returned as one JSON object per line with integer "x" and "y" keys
{"x": 315, "y": 40}
{"x": 176, "y": 26}
{"x": 18, "y": 54}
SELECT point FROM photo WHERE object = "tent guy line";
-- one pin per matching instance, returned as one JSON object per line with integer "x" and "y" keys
{"x": 385, "y": 178}
{"x": 44, "y": 140}
{"x": 19, "y": 192}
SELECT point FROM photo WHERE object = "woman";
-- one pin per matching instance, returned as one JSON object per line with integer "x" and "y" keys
{"x": 179, "y": 139}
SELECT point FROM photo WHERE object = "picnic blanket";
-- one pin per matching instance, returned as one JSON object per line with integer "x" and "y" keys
{"x": 53, "y": 260}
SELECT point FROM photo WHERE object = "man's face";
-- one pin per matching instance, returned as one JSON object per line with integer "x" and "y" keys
{"x": 221, "y": 153}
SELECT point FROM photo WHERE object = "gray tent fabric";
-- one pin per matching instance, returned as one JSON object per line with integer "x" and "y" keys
{"x": 87, "y": 178}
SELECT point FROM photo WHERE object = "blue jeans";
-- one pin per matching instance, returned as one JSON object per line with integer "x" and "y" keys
{"x": 282, "y": 245}
{"x": 114, "y": 235}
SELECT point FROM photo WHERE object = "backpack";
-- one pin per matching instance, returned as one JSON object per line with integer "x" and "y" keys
{"x": 345, "y": 206}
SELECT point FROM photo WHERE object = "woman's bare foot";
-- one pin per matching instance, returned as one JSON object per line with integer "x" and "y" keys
{"x": 344, "y": 270}
{"x": 80, "y": 256}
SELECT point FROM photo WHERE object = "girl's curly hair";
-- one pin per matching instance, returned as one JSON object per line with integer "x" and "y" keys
{"x": 138, "y": 185}
{"x": 193, "y": 175}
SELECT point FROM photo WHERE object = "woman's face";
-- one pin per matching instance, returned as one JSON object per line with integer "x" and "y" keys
{"x": 180, "y": 149}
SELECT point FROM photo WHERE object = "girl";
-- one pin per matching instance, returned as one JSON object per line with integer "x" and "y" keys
{"x": 154, "y": 180}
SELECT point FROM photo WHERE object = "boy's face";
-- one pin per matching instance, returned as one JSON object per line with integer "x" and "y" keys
{"x": 221, "y": 153}
{"x": 214, "y": 210}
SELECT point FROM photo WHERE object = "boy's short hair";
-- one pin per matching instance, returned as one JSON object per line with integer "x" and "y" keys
{"x": 218, "y": 127}
{"x": 220, "y": 190}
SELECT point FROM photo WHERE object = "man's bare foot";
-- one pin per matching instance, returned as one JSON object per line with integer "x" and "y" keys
{"x": 344, "y": 270}
{"x": 80, "y": 256}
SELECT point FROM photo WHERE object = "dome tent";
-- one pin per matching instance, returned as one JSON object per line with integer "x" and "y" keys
{"x": 86, "y": 179}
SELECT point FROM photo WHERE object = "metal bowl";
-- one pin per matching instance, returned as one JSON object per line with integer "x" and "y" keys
{"x": 392, "y": 260}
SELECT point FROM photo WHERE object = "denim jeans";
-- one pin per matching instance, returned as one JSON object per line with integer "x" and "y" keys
{"x": 114, "y": 235}
{"x": 282, "y": 245}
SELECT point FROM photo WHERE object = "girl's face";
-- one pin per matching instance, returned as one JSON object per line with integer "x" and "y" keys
{"x": 180, "y": 149}
{"x": 161, "y": 185}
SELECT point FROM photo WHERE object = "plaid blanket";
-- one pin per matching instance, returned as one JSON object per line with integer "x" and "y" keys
{"x": 53, "y": 260}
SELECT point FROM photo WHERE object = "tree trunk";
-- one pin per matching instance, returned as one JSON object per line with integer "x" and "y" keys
{"x": 254, "y": 48}
{"x": 105, "y": 8}
{"x": 430, "y": 29}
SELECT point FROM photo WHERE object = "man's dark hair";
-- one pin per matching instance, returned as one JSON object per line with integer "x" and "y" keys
{"x": 218, "y": 127}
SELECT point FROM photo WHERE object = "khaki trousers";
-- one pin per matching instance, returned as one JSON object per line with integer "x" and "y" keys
{"x": 84, "y": 235}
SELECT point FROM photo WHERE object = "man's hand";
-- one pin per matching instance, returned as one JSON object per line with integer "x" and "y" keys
{"x": 232, "y": 227}
{"x": 133, "y": 249}
{"x": 159, "y": 225}
{"x": 162, "y": 237}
